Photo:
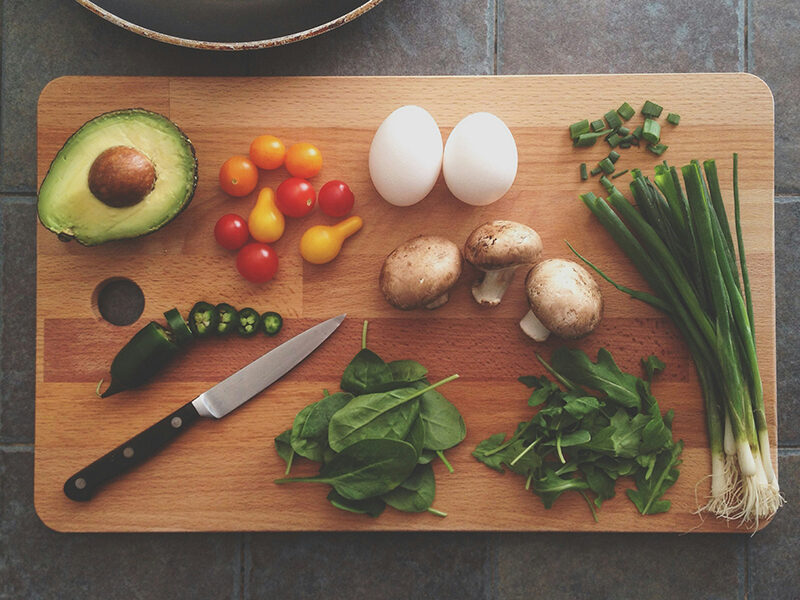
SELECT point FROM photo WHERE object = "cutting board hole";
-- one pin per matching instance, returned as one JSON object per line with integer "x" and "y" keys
{"x": 119, "y": 301}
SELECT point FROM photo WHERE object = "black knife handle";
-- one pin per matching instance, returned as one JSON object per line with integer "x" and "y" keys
{"x": 84, "y": 483}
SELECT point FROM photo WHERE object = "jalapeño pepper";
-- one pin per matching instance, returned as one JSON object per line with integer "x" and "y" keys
{"x": 203, "y": 319}
{"x": 271, "y": 323}
{"x": 226, "y": 318}
{"x": 141, "y": 358}
{"x": 180, "y": 330}
{"x": 249, "y": 322}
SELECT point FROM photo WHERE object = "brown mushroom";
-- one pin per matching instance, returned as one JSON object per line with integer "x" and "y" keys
{"x": 420, "y": 272}
{"x": 499, "y": 248}
{"x": 564, "y": 299}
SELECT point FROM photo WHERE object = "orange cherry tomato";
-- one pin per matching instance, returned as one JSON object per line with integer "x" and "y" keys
{"x": 303, "y": 160}
{"x": 267, "y": 152}
{"x": 238, "y": 176}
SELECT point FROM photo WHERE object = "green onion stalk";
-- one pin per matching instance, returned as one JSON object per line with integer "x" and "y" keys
{"x": 680, "y": 241}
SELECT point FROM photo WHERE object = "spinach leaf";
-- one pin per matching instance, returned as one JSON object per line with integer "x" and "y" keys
{"x": 407, "y": 371}
{"x": 427, "y": 456}
{"x": 283, "y": 446}
{"x": 416, "y": 437}
{"x": 309, "y": 437}
{"x": 365, "y": 469}
{"x": 604, "y": 375}
{"x": 443, "y": 425}
{"x": 369, "y": 506}
{"x": 380, "y": 415}
{"x": 366, "y": 373}
{"x": 416, "y": 493}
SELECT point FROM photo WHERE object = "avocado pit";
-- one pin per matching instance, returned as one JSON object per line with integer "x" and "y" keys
{"x": 121, "y": 176}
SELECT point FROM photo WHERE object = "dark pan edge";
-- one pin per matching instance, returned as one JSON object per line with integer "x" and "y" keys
{"x": 252, "y": 45}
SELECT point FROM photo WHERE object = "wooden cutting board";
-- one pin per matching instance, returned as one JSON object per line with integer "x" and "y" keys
{"x": 219, "y": 475}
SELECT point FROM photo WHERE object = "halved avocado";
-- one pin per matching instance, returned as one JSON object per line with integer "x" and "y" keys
{"x": 123, "y": 174}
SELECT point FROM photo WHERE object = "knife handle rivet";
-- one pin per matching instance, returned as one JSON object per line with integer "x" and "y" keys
{"x": 80, "y": 483}
{"x": 176, "y": 422}
{"x": 127, "y": 452}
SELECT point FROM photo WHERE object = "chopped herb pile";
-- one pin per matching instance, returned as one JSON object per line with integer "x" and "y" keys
{"x": 604, "y": 424}
{"x": 376, "y": 438}
{"x": 617, "y": 134}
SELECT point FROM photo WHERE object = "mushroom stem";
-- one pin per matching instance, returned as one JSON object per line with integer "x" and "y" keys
{"x": 489, "y": 290}
{"x": 533, "y": 327}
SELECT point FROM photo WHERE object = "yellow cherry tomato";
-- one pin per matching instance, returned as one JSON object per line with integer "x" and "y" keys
{"x": 266, "y": 222}
{"x": 303, "y": 160}
{"x": 321, "y": 244}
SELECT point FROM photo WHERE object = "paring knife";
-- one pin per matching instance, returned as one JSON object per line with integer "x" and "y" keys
{"x": 216, "y": 402}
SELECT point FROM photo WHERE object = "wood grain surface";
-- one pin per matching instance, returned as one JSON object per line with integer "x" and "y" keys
{"x": 219, "y": 476}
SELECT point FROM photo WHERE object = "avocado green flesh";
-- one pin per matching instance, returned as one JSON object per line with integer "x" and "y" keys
{"x": 67, "y": 206}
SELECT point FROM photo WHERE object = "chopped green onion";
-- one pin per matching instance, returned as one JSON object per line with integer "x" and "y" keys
{"x": 607, "y": 165}
{"x": 624, "y": 144}
{"x": 614, "y": 140}
{"x": 651, "y": 109}
{"x": 637, "y": 133}
{"x": 623, "y": 131}
{"x": 588, "y": 139}
{"x": 596, "y": 171}
{"x": 620, "y": 174}
{"x": 597, "y": 125}
{"x": 584, "y": 172}
{"x": 613, "y": 156}
{"x": 606, "y": 183}
{"x": 651, "y": 131}
{"x": 613, "y": 120}
{"x": 657, "y": 149}
{"x": 576, "y": 129}
{"x": 626, "y": 111}
{"x": 673, "y": 118}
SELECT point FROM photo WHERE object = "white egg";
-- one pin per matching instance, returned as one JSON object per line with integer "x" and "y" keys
{"x": 405, "y": 157}
{"x": 480, "y": 159}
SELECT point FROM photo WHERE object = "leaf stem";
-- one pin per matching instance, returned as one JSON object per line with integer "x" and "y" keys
{"x": 447, "y": 464}
{"x": 438, "y": 513}
{"x": 289, "y": 463}
{"x": 364, "y": 335}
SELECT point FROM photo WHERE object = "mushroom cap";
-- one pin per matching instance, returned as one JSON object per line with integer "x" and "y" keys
{"x": 419, "y": 271}
{"x": 564, "y": 297}
{"x": 501, "y": 245}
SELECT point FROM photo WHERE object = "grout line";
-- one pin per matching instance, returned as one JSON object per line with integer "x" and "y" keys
{"x": 745, "y": 43}
{"x": 786, "y": 199}
{"x": 496, "y": 59}
{"x": 11, "y": 447}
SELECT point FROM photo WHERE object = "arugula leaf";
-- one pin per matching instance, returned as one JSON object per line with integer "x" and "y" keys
{"x": 543, "y": 388}
{"x": 486, "y": 452}
{"x": 550, "y": 486}
{"x": 648, "y": 492}
{"x": 652, "y": 366}
{"x": 604, "y": 375}
{"x": 581, "y": 406}
{"x": 600, "y": 482}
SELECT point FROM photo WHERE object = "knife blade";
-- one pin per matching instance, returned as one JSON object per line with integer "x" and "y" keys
{"x": 216, "y": 402}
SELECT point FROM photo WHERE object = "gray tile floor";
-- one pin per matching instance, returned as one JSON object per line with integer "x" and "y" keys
{"x": 43, "y": 39}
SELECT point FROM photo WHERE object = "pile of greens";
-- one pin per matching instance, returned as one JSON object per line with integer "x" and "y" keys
{"x": 584, "y": 441}
{"x": 376, "y": 438}
{"x": 678, "y": 236}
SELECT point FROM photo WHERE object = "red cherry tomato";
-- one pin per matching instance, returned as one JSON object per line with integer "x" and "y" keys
{"x": 336, "y": 199}
{"x": 231, "y": 232}
{"x": 257, "y": 262}
{"x": 295, "y": 197}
